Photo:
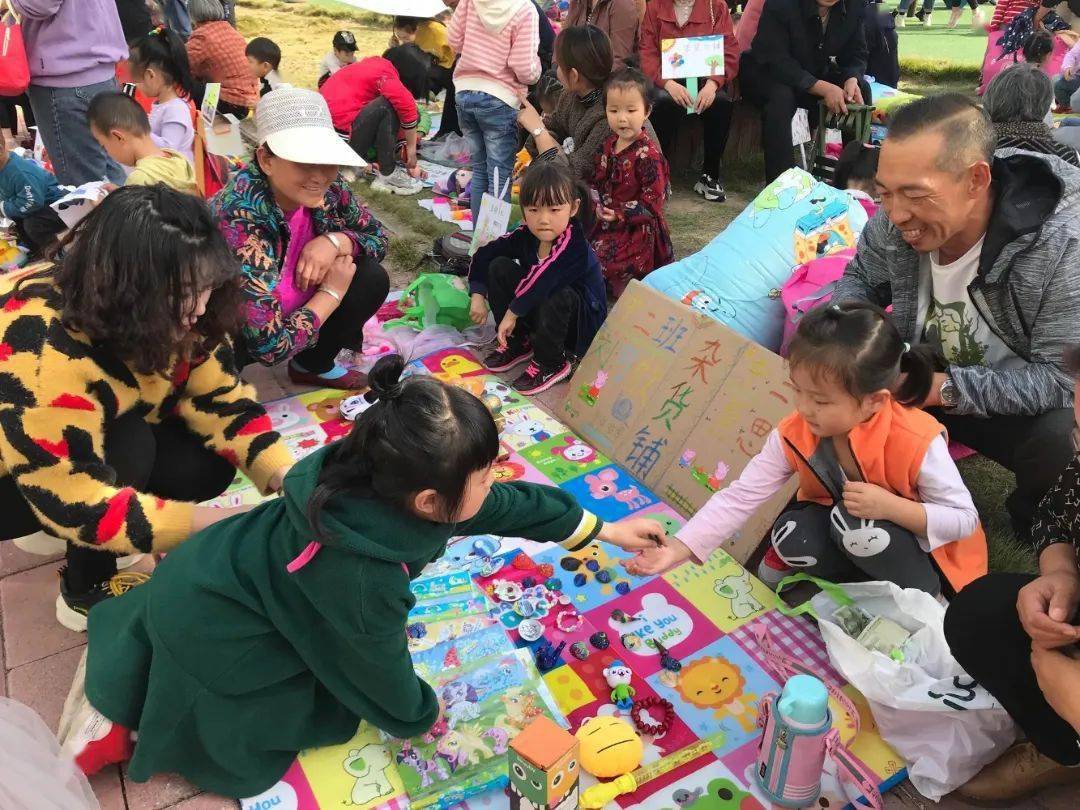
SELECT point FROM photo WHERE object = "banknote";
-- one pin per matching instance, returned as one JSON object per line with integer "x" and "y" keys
{"x": 852, "y": 619}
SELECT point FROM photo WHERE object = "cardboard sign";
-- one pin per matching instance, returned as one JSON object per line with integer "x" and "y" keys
{"x": 209, "y": 103}
{"x": 682, "y": 402}
{"x": 692, "y": 57}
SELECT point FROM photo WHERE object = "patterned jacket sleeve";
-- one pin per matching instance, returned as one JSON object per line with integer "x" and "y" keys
{"x": 52, "y": 439}
{"x": 1057, "y": 518}
{"x": 348, "y": 215}
{"x": 221, "y": 409}
{"x": 652, "y": 179}
{"x": 270, "y": 335}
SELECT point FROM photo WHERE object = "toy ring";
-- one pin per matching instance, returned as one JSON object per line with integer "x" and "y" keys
{"x": 569, "y": 625}
{"x": 486, "y": 546}
{"x": 652, "y": 704}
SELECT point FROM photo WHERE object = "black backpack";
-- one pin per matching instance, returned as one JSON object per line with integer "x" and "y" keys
{"x": 449, "y": 254}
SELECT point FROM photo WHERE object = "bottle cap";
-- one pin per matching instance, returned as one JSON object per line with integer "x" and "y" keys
{"x": 804, "y": 700}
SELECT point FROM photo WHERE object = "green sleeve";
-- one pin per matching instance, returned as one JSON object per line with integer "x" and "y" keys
{"x": 535, "y": 512}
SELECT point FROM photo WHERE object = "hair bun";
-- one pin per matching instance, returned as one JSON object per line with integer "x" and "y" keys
{"x": 385, "y": 377}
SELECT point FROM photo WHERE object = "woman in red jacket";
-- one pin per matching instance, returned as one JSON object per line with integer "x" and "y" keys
{"x": 373, "y": 101}
{"x": 672, "y": 19}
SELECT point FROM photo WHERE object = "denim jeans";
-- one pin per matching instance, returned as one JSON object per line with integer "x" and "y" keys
{"x": 927, "y": 6}
{"x": 60, "y": 113}
{"x": 490, "y": 128}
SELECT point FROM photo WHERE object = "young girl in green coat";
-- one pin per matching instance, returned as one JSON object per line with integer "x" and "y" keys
{"x": 283, "y": 628}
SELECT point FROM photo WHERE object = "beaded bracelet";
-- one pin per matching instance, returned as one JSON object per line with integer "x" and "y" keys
{"x": 645, "y": 727}
{"x": 576, "y": 618}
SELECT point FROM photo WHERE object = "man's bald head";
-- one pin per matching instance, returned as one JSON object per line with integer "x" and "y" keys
{"x": 966, "y": 134}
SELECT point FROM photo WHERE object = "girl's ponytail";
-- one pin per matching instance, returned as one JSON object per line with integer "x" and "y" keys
{"x": 917, "y": 364}
{"x": 163, "y": 49}
{"x": 586, "y": 214}
{"x": 420, "y": 434}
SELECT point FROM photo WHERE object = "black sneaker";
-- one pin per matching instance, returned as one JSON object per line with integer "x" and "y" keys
{"x": 72, "y": 606}
{"x": 710, "y": 189}
{"x": 505, "y": 359}
{"x": 536, "y": 380}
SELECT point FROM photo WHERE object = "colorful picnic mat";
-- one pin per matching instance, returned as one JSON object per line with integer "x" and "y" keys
{"x": 706, "y": 616}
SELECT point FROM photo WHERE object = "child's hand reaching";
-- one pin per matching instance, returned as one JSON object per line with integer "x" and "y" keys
{"x": 658, "y": 559}
{"x": 633, "y": 534}
{"x": 506, "y": 328}
{"x": 868, "y": 501}
{"x": 478, "y": 309}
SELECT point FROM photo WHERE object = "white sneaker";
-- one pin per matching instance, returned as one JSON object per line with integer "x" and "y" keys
{"x": 397, "y": 183}
{"x": 40, "y": 543}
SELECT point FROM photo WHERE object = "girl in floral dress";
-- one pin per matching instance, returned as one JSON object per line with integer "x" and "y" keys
{"x": 630, "y": 178}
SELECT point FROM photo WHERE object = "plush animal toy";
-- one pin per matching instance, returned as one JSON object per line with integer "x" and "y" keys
{"x": 618, "y": 677}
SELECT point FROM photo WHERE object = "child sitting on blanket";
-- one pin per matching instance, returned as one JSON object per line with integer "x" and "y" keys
{"x": 253, "y": 640}
{"x": 120, "y": 125}
{"x": 159, "y": 67}
{"x": 879, "y": 496}
{"x": 542, "y": 281}
{"x": 631, "y": 178}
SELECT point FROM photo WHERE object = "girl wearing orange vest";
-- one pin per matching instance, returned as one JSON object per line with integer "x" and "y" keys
{"x": 879, "y": 496}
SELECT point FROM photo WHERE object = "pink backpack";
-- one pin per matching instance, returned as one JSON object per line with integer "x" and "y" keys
{"x": 810, "y": 285}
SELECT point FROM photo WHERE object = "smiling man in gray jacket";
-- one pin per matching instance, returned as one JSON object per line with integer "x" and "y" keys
{"x": 979, "y": 254}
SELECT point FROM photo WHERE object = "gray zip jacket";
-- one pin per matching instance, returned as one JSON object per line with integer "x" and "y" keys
{"x": 1027, "y": 288}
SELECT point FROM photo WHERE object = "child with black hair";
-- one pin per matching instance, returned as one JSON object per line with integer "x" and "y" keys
{"x": 430, "y": 36}
{"x": 342, "y": 54}
{"x": 1038, "y": 47}
{"x": 548, "y": 92}
{"x": 298, "y": 608}
{"x": 632, "y": 179}
{"x": 159, "y": 67}
{"x": 27, "y": 193}
{"x": 264, "y": 59}
{"x": 120, "y": 125}
{"x": 855, "y": 171}
{"x": 542, "y": 281}
{"x": 879, "y": 495}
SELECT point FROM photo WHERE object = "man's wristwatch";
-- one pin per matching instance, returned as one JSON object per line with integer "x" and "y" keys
{"x": 950, "y": 396}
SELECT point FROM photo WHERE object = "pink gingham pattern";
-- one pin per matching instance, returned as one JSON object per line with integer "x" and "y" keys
{"x": 795, "y": 636}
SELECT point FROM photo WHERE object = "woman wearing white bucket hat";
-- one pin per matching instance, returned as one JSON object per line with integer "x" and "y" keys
{"x": 310, "y": 252}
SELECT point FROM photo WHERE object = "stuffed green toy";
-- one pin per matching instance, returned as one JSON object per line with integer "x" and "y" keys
{"x": 434, "y": 298}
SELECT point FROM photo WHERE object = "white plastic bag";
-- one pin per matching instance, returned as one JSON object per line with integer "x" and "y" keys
{"x": 32, "y": 772}
{"x": 938, "y": 719}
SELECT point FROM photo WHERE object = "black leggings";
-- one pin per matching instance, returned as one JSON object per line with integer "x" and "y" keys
{"x": 667, "y": 118}
{"x": 444, "y": 79}
{"x": 9, "y": 118}
{"x": 166, "y": 460}
{"x": 376, "y": 125}
{"x": 552, "y": 325}
{"x": 986, "y": 638}
{"x": 344, "y": 329}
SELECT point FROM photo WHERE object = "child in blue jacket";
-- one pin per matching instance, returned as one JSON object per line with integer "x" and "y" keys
{"x": 26, "y": 193}
{"x": 543, "y": 282}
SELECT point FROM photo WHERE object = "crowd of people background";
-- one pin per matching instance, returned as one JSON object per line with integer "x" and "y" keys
{"x": 123, "y": 405}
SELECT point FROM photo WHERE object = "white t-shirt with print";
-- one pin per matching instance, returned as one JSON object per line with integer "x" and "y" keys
{"x": 949, "y": 320}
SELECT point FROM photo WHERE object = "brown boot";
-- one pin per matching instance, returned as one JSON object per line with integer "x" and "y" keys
{"x": 1019, "y": 772}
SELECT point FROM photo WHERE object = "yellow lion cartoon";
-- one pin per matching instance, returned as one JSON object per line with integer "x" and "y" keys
{"x": 716, "y": 683}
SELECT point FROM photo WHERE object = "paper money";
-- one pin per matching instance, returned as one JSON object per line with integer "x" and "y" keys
{"x": 883, "y": 635}
{"x": 852, "y": 619}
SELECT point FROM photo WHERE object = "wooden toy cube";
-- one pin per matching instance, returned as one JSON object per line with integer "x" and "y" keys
{"x": 543, "y": 761}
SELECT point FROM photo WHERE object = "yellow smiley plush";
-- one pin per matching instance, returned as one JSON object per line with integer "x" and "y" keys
{"x": 609, "y": 747}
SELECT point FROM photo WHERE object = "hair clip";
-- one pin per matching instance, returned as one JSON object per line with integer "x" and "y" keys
{"x": 835, "y": 307}
{"x": 907, "y": 347}
{"x": 156, "y": 30}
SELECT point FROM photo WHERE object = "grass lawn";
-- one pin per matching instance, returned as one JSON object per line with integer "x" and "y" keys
{"x": 304, "y": 32}
{"x": 939, "y": 46}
